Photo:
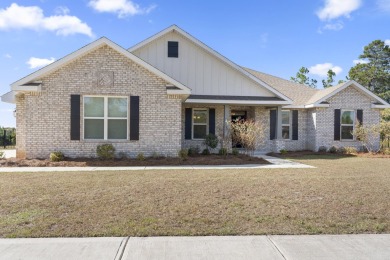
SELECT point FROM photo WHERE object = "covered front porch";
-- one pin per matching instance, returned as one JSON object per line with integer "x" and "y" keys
{"x": 201, "y": 117}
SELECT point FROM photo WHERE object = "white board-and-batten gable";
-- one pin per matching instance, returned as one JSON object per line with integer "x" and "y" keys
{"x": 200, "y": 68}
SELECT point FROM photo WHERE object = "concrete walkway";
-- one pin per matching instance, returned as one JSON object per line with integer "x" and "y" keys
{"x": 276, "y": 163}
{"x": 172, "y": 248}
{"x": 9, "y": 153}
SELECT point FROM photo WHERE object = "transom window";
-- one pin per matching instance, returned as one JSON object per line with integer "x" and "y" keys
{"x": 286, "y": 124}
{"x": 199, "y": 123}
{"x": 105, "y": 118}
{"x": 347, "y": 124}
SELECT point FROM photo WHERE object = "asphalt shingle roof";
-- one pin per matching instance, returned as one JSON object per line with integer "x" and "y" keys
{"x": 300, "y": 94}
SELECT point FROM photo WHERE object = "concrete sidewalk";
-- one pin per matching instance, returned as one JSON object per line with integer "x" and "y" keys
{"x": 233, "y": 247}
{"x": 276, "y": 163}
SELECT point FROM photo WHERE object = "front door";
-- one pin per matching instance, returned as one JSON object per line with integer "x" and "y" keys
{"x": 238, "y": 116}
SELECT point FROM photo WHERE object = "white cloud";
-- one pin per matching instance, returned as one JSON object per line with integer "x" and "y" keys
{"x": 334, "y": 26}
{"x": 336, "y": 8}
{"x": 122, "y": 8}
{"x": 383, "y": 5}
{"x": 38, "y": 62}
{"x": 387, "y": 42}
{"x": 32, "y": 17}
{"x": 322, "y": 69}
{"x": 360, "y": 61}
{"x": 8, "y": 56}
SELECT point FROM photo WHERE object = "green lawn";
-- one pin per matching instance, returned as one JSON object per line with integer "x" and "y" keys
{"x": 341, "y": 196}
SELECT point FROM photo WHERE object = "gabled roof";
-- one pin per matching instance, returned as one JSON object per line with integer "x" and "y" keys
{"x": 299, "y": 93}
{"x": 212, "y": 52}
{"x": 323, "y": 95}
{"x": 87, "y": 49}
{"x": 305, "y": 97}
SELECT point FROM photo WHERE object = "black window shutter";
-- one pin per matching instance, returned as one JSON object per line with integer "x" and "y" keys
{"x": 359, "y": 116}
{"x": 272, "y": 124}
{"x": 173, "y": 49}
{"x": 74, "y": 117}
{"x": 134, "y": 117}
{"x": 295, "y": 124}
{"x": 212, "y": 121}
{"x": 188, "y": 123}
{"x": 337, "y": 114}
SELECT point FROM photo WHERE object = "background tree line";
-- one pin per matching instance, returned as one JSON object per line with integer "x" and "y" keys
{"x": 9, "y": 139}
{"x": 373, "y": 72}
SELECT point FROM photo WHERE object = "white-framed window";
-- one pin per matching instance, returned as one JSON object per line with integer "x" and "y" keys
{"x": 347, "y": 124}
{"x": 106, "y": 117}
{"x": 200, "y": 123}
{"x": 286, "y": 124}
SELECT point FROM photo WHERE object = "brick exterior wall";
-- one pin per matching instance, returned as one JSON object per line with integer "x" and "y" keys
{"x": 43, "y": 121}
{"x": 349, "y": 98}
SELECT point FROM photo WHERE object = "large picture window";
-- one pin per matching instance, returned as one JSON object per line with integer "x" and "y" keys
{"x": 286, "y": 124}
{"x": 105, "y": 118}
{"x": 347, "y": 124}
{"x": 200, "y": 123}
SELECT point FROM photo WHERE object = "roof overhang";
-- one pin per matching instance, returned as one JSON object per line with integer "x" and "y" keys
{"x": 380, "y": 106}
{"x": 9, "y": 97}
{"x": 235, "y": 100}
{"x": 25, "y": 84}
{"x": 212, "y": 52}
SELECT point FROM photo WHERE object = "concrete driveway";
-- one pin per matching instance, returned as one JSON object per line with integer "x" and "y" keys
{"x": 172, "y": 248}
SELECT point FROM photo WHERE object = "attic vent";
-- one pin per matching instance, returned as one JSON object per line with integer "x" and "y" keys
{"x": 173, "y": 49}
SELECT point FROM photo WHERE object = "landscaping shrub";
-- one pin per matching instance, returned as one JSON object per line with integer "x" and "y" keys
{"x": 250, "y": 134}
{"x": 367, "y": 135}
{"x": 235, "y": 151}
{"x": 223, "y": 151}
{"x": 333, "y": 149}
{"x": 193, "y": 150}
{"x": 386, "y": 151}
{"x": 105, "y": 151}
{"x": 283, "y": 151}
{"x": 341, "y": 150}
{"x": 211, "y": 141}
{"x": 141, "y": 157}
{"x": 56, "y": 156}
{"x": 350, "y": 150}
{"x": 206, "y": 152}
{"x": 322, "y": 149}
{"x": 2, "y": 155}
{"x": 183, "y": 154}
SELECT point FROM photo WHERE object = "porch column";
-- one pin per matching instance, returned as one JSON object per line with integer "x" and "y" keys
{"x": 226, "y": 118}
{"x": 279, "y": 122}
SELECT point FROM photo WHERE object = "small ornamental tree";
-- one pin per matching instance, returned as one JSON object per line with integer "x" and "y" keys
{"x": 250, "y": 134}
{"x": 368, "y": 136}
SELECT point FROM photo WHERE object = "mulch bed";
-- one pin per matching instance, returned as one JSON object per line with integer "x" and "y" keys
{"x": 160, "y": 161}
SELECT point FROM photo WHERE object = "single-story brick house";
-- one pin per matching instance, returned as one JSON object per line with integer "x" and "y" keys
{"x": 167, "y": 93}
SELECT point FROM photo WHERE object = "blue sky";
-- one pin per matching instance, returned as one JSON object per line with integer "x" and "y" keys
{"x": 276, "y": 37}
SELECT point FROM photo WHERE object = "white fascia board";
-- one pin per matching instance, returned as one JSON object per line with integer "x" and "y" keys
{"x": 32, "y": 88}
{"x": 212, "y": 52}
{"x": 9, "y": 97}
{"x": 380, "y": 106}
{"x": 235, "y": 102}
{"x": 316, "y": 105}
{"x": 177, "y": 92}
{"x": 90, "y": 47}
{"x": 292, "y": 106}
{"x": 358, "y": 86}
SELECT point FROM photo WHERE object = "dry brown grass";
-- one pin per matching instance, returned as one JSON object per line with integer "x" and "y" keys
{"x": 342, "y": 195}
